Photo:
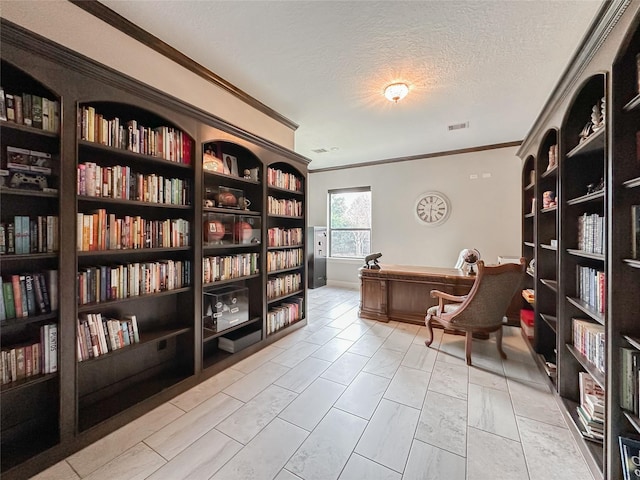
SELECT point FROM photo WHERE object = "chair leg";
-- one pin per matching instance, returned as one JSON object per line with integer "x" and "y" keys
{"x": 430, "y": 328}
{"x": 499, "y": 343}
{"x": 467, "y": 346}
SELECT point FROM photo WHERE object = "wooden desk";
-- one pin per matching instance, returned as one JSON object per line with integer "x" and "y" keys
{"x": 400, "y": 292}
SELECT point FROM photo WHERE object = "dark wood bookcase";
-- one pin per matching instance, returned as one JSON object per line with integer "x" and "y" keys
{"x": 591, "y": 275}
{"x": 45, "y": 418}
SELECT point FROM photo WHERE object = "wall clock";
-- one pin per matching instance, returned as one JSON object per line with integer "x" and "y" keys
{"x": 432, "y": 208}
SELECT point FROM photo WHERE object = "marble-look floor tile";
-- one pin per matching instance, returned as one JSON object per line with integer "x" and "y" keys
{"x": 535, "y": 401}
{"x": 333, "y": 349}
{"x": 367, "y": 345}
{"x": 427, "y": 462}
{"x": 326, "y": 450}
{"x": 423, "y": 335}
{"x": 341, "y": 322}
{"x": 491, "y": 457}
{"x": 60, "y": 471}
{"x": 286, "y": 475}
{"x": 410, "y": 328}
{"x": 487, "y": 378}
{"x": 295, "y": 354}
{"x": 201, "y": 460}
{"x": 258, "y": 359}
{"x": 345, "y": 368}
{"x": 387, "y": 438}
{"x": 303, "y": 374}
{"x": 450, "y": 379}
{"x": 207, "y": 389}
{"x": 443, "y": 423}
{"x": 265, "y": 455}
{"x": 137, "y": 463}
{"x": 523, "y": 371}
{"x": 399, "y": 340}
{"x": 107, "y": 448}
{"x": 451, "y": 349}
{"x": 360, "y": 468}
{"x": 246, "y": 422}
{"x": 420, "y": 357}
{"x": 253, "y": 383}
{"x": 491, "y": 411}
{"x": 323, "y": 335}
{"x": 382, "y": 329}
{"x": 551, "y": 452}
{"x": 354, "y": 331}
{"x": 384, "y": 363}
{"x": 292, "y": 339}
{"x": 182, "y": 432}
{"x": 311, "y": 406}
{"x": 362, "y": 396}
{"x": 408, "y": 386}
{"x": 485, "y": 355}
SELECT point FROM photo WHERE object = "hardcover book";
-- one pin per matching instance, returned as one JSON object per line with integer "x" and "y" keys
{"x": 3, "y": 108}
{"x": 630, "y": 456}
{"x": 635, "y": 231}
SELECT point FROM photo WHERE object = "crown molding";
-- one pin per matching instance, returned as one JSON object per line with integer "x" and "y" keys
{"x": 117, "y": 21}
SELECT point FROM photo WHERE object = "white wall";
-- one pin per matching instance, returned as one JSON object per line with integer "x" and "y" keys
{"x": 485, "y": 212}
{"x": 69, "y": 25}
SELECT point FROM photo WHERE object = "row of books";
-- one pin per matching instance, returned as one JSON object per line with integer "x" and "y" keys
{"x": 283, "y": 285}
{"x": 120, "y": 182}
{"x": 284, "y": 314}
{"x": 29, "y": 235}
{"x": 29, "y": 294}
{"x": 529, "y": 294}
{"x": 113, "y": 282}
{"x": 280, "y": 179}
{"x": 281, "y": 206}
{"x": 99, "y": 335}
{"x": 164, "y": 142}
{"x": 34, "y": 358}
{"x": 30, "y": 110}
{"x": 220, "y": 268}
{"x": 279, "y": 259}
{"x": 592, "y": 287}
{"x": 589, "y": 340}
{"x": 23, "y": 160}
{"x": 591, "y": 233}
{"x": 629, "y": 381}
{"x": 635, "y": 223}
{"x": 284, "y": 237}
{"x": 100, "y": 230}
{"x": 591, "y": 408}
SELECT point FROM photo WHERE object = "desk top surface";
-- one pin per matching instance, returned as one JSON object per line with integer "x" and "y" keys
{"x": 411, "y": 270}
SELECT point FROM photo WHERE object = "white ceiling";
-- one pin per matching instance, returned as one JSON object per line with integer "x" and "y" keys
{"x": 324, "y": 64}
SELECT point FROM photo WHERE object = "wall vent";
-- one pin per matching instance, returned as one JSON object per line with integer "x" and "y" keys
{"x": 458, "y": 126}
{"x": 319, "y": 150}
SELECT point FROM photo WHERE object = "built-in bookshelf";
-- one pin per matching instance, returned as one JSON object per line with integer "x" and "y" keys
{"x": 29, "y": 258}
{"x": 120, "y": 222}
{"x": 587, "y": 267}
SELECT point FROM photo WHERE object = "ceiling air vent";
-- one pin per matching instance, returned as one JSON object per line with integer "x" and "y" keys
{"x": 458, "y": 126}
{"x": 319, "y": 150}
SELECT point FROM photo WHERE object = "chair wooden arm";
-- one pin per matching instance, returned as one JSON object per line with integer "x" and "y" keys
{"x": 448, "y": 296}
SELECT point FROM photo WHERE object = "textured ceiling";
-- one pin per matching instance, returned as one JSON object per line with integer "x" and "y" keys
{"x": 324, "y": 65}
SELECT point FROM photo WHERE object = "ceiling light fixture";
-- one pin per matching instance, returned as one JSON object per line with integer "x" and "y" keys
{"x": 396, "y": 91}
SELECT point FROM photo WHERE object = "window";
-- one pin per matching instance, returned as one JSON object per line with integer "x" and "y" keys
{"x": 350, "y": 222}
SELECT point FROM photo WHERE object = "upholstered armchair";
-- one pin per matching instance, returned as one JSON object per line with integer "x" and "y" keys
{"x": 483, "y": 308}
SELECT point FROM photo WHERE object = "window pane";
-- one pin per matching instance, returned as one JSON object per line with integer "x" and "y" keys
{"x": 351, "y": 210}
{"x": 349, "y": 243}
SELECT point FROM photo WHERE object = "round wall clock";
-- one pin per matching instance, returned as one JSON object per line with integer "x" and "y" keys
{"x": 432, "y": 208}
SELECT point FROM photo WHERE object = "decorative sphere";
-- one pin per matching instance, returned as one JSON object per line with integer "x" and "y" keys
{"x": 242, "y": 232}
{"x": 213, "y": 230}
{"x": 470, "y": 255}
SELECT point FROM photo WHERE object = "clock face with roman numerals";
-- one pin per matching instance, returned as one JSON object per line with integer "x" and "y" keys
{"x": 432, "y": 208}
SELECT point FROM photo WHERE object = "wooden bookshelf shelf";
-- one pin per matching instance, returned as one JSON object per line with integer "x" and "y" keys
{"x": 282, "y": 297}
{"x": 549, "y": 209}
{"x": 552, "y": 172}
{"x": 227, "y": 281}
{"x": 27, "y": 256}
{"x": 591, "y": 448}
{"x": 586, "y": 308}
{"x": 27, "y": 320}
{"x": 229, "y": 246}
{"x": 140, "y": 157}
{"x": 633, "y": 183}
{"x": 225, "y": 177}
{"x": 590, "y": 197}
{"x": 530, "y": 244}
{"x": 27, "y": 193}
{"x": 207, "y": 335}
{"x": 285, "y": 190}
{"x": 27, "y": 129}
{"x": 88, "y": 307}
{"x": 548, "y": 247}
{"x": 634, "y": 342}
{"x": 597, "y": 375}
{"x": 290, "y": 269}
{"x": 131, "y": 251}
{"x": 550, "y": 320}
{"x": 633, "y": 420}
{"x": 530, "y": 215}
{"x": 285, "y": 247}
{"x": 633, "y": 104}
{"x": 291, "y": 217}
{"x": 531, "y": 186}
{"x": 27, "y": 382}
{"x": 136, "y": 203}
{"x": 552, "y": 284}
{"x": 632, "y": 262}
{"x": 235, "y": 211}
{"x": 594, "y": 143}
{"x": 583, "y": 254}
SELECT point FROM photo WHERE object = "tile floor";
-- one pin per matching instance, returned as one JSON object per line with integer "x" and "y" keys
{"x": 350, "y": 399}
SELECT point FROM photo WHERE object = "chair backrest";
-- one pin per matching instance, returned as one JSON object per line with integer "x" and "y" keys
{"x": 490, "y": 295}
